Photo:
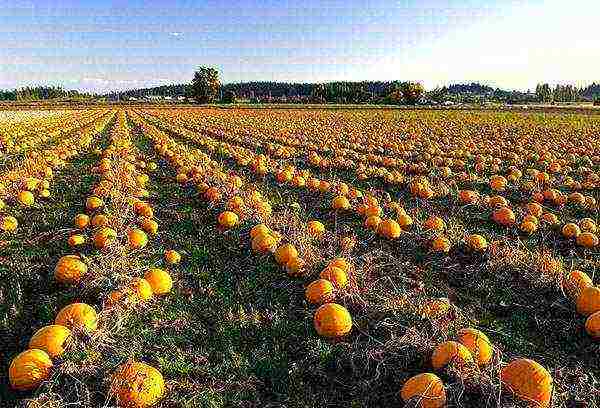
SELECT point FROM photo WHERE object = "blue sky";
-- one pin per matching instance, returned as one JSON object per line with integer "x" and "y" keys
{"x": 125, "y": 44}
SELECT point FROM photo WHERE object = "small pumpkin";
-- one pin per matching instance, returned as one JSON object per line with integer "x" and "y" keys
{"x": 76, "y": 240}
{"x": 228, "y": 219}
{"x": 81, "y": 221}
{"x": 172, "y": 257}
{"x": 77, "y": 315}
{"x": 587, "y": 240}
{"x": 476, "y": 242}
{"x": 295, "y": 267}
{"x": 592, "y": 325}
{"x": 332, "y": 320}
{"x": 9, "y": 224}
{"x": 160, "y": 281}
{"x": 575, "y": 282}
{"x": 29, "y": 369}
{"x": 528, "y": 380}
{"x": 142, "y": 289}
{"x": 335, "y": 275}
{"x": 137, "y": 238}
{"x": 93, "y": 203}
{"x": 25, "y": 198}
{"x": 450, "y": 352}
{"x": 136, "y": 384}
{"x": 315, "y": 228}
{"x": 426, "y": 390}
{"x": 319, "y": 291}
{"x": 285, "y": 253}
{"x": 478, "y": 344}
{"x": 50, "y": 339}
{"x": 340, "y": 203}
{"x": 69, "y": 269}
{"x": 389, "y": 228}
{"x": 588, "y": 301}
{"x": 570, "y": 230}
{"x": 441, "y": 244}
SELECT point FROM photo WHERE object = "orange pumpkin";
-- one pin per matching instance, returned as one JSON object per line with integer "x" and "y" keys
{"x": 588, "y": 301}
{"x": 450, "y": 352}
{"x": 426, "y": 390}
{"x": 137, "y": 384}
{"x": 29, "y": 369}
{"x": 332, "y": 320}
{"x": 77, "y": 315}
{"x": 319, "y": 291}
{"x": 528, "y": 380}
{"x": 50, "y": 339}
{"x": 478, "y": 344}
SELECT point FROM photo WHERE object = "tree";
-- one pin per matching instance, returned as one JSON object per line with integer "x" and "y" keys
{"x": 205, "y": 85}
{"x": 229, "y": 97}
{"x": 412, "y": 91}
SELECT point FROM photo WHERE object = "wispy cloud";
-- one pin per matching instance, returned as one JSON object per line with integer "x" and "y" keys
{"x": 176, "y": 34}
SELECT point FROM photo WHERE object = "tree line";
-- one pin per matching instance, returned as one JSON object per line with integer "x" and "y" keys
{"x": 37, "y": 93}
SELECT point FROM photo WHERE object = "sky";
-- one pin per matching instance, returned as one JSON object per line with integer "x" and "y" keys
{"x": 111, "y": 45}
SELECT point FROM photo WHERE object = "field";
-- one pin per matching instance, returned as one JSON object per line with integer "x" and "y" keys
{"x": 457, "y": 243}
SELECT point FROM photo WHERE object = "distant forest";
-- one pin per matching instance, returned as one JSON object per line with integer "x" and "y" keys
{"x": 334, "y": 92}
{"x": 371, "y": 91}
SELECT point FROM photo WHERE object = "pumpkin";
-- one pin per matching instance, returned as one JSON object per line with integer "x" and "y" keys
{"x": 137, "y": 384}
{"x": 76, "y": 240}
{"x": 426, "y": 390}
{"x": 228, "y": 219}
{"x": 137, "y": 238}
{"x": 440, "y": 244}
{"x": 340, "y": 263}
{"x": 141, "y": 288}
{"x": 405, "y": 221}
{"x": 478, "y": 344}
{"x": 25, "y": 198}
{"x": 285, "y": 253}
{"x": 93, "y": 203}
{"x": 69, "y": 269}
{"x": 29, "y": 369}
{"x": 159, "y": 280}
{"x": 588, "y": 225}
{"x": 259, "y": 229}
{"x": 149, "y": 225}
{"x": 498, "y": 183}
{"x": 335, "y": 275}
{"x": 315, "y": 228}
{"x": 340, "y": 203}
{"x": 587, "y": 240}
{"x": 575, "y": 282}
{"x": 588, "y": 301}
{"x": 504, "y": 216}
{"x": 319, "y": 291}
{"x": 81, "y": 221}
{"x": 468, "y": 196}
{"x": 45, "y": 193}
{"x": 77, "y": 315}
{"x": 592, "y": 325}
{"x": 332, "y": 320}
{"x": 528, "y": 380}
{"x": 434, "y": 223}
{"x": 104, "y": 236}
{"x": 450, "y": 352}
{"x": 550, "y": 218}
{"x": 50, "y": 339}
{"x": 172, "y": 257}
{"x": 570, "y": 230}
{"x": 372, "y": 222}
{"x": 264, "y": 243}
{"x": 295, "y": 267}
{"x": 528, "y": 227}
{"x": 476, "y": 242}
{"x": 99, "y": 220}
{"x": 9, "y": 224}
{"x": 389, "y": 229}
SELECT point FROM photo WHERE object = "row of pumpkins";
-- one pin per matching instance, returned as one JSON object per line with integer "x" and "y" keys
{"x": 33, "y": 176}
{"x": 525, "y": 378}
{"x": 28, "y": 133}
{"x": 391, "y": 228}
{"x": 133, "y": 383}
{"x": 367, "y": 167}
